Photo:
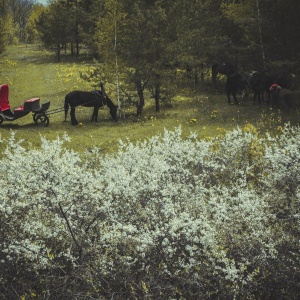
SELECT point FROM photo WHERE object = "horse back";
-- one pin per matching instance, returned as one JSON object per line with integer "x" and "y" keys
{"x": 77, "y": 98}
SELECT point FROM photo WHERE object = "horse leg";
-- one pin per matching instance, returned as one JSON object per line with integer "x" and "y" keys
{"x": 73, "y": 118}
{"x": 66, "y": 107}
{"x": 255, "y": 95}
{"x": 268, "y": 97}
{"x": 259, "y": 97}
{"x": 234, "y": 96}
{"x": 66, "y": 112}
{"x": 274, "y": 100}
{"x": 95, "y": 114}
{"x": 228, "y": 91}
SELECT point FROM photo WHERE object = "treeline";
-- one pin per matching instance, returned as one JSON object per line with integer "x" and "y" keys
{"x": 14, "y": 16}
{"x": 152, "y": 38}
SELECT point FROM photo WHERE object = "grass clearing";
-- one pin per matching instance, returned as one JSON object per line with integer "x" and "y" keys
{"x": 32, "y": 72}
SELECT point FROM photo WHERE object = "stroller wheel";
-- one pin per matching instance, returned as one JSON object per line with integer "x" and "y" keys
{"x": 41, "y": 120}
{"x": 34, "y": 117}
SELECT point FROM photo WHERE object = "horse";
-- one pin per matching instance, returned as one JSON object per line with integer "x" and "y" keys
{"x": 234, "y": 83}
{"x": 260, "y": 83}
{"x": 225, "y": 68}
{"x": 94, "y": 99}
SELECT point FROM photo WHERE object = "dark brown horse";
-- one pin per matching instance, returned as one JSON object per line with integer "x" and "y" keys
{"x": 225, "y": 68}
{"x": 95, "y": 99}
{"x": 260, "y": 82}
{"x": 235, "y": 82}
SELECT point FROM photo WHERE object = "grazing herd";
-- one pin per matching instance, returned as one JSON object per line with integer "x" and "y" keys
{"x": 262, "y": 83}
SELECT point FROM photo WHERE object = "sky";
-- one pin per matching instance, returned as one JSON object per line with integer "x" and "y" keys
{"x": 42, "y": 1}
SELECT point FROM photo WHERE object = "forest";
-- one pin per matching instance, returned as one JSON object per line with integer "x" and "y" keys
{"x": 143, "y": 44}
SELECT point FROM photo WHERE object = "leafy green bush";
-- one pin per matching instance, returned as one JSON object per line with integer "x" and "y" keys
{"x": 167, "y": 218}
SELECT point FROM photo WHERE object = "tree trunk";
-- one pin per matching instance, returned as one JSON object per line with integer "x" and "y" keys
{"x": 157, "y": 93}
{"x": 58, "y": 52}
{"x": 140, "y": 91}
{"x": 72, "y": 49}
{"x": 260, "y": 35}
{"x": 77, "y": 48}
{"x": 196, "y": 77}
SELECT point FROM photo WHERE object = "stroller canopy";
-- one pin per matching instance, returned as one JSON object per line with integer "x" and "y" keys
{"x": 4, "y": 104}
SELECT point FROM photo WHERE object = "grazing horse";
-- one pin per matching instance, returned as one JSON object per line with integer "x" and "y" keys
{"x": 94, "y": 99}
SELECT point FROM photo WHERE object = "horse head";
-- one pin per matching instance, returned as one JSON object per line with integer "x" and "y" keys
{"x": 107, "y": 101}
{"x": 112, "y": 108}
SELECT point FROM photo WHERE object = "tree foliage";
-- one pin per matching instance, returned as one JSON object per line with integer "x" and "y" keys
{"x": 33, "y": 35}
{"x": 274, "y": 21}
{"x": 14, "y": 16}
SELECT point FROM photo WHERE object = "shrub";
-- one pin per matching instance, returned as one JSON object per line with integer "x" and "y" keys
{"x": 166, "y": 218}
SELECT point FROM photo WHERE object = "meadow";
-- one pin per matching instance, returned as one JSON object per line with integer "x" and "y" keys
{"x": 31, "y": 71}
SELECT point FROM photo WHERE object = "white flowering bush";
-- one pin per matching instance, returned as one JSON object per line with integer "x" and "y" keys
{"x": 166, "y": 218}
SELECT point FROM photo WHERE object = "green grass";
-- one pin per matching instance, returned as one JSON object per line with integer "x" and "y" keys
{"x": 31, "y": 72}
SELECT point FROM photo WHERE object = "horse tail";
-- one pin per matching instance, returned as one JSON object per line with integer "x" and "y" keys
{"x": 66, "y": 106}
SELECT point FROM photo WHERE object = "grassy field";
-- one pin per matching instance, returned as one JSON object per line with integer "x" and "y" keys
{"x": 31, "y": 72}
